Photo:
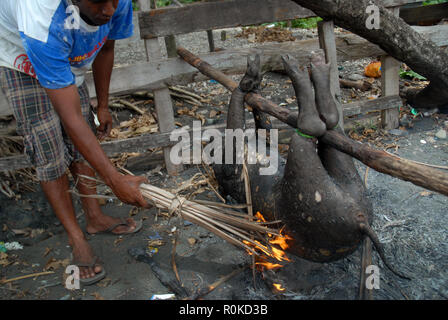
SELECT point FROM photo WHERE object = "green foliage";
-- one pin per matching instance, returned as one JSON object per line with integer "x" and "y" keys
{"x": 410, "y": 75}
{"x": 428, "y": 3}
{"x": 303, "y": 23}
{"x": 164, "y": 3}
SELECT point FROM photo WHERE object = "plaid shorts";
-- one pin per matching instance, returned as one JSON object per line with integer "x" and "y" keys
{"x": 46, "y": 144}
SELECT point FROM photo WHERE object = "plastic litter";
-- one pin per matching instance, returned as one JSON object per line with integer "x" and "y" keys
{"x": 9, "y": 246}
{"x": 163, "y": 296}
{"x": 155, "y": 237}
{"x": 373, "y": 70}
{"x": 150, "y": 251}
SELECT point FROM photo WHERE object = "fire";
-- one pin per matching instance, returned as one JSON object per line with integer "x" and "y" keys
{"x": 278, "y": 287}
{"x": 281, "y": 241}
{"x": 269, "y": 266}
{"x": 273, "y": 252}
{"x": 260, "y": 216}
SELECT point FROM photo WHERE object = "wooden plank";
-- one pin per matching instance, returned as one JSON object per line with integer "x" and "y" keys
{"x": 216, "y": 15}
{"x": 165, "y": 115}
{"x": 163, "y": 103}
{"x": 438, "y": 34}
{"x": 425, "y": 14}
{"x": 211, "y": 40}
{"x": 171, "y": 46}
{"x": 327, "y": 42}
{"x": 390, "y": 86}
{"x": 111, "y": 148}
{"x": 390, "y": 83}
{"x": 366, "y": 106}
{"x": 224, "y": 14}
{"x": 114, "y": 148}
{"x": 159, "y": 73}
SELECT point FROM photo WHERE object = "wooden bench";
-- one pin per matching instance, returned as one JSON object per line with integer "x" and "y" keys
{"x": 160, "y": 72}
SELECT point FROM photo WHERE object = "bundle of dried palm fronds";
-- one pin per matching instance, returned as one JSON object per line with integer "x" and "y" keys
{"x": 242, "y": 230}
{"x": 218, "y": 218}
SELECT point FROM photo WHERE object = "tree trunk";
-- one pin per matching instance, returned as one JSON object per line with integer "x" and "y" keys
{"x": 395, "y": 37}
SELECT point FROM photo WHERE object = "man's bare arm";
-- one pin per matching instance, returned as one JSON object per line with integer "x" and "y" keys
{"x": 102, "y": 71}
{"x": 67, "y": 104}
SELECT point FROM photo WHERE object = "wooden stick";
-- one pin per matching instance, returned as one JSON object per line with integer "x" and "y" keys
{"x": 250, "y": 211}
{"x": 362, "y": 85}
{"x": 206, "y": 290}
{"x": 173, "y": 258}
{"x": 130, "y": 105}
{"x": 32, "y": 275}
{"x": 188, "y": 93}
{"x": 420, "y": 175}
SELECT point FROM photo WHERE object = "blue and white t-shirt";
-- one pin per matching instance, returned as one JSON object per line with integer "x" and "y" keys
{"x": 49, "y": 41}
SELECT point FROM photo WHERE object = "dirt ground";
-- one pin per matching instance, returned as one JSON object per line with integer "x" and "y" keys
{"x": 410, "y": 221}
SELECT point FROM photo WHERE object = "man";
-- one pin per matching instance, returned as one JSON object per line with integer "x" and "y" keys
{"x": 45, "y": 48}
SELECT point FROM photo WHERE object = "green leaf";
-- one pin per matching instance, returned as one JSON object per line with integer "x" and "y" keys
{"x": 411, "y": 75}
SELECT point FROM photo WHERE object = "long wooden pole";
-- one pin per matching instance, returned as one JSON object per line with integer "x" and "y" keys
{"x": 407, "y": 170}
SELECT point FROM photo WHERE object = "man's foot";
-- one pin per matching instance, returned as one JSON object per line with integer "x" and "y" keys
{"x": 107, "y": 224}
{"x": 82, "y": 255}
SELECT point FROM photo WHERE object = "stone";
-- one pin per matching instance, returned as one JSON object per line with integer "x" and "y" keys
{"x": 405, "y": 121}
{"x": 431, "y": 140}
{"x": 355, "y": 77}
{"x": 398, "y": 132}
{"x": 441, "y": 134}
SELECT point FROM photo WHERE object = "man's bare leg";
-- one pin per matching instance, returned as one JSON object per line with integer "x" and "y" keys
{"x": 96, "y": 220}
{"x": 60, "y": 200}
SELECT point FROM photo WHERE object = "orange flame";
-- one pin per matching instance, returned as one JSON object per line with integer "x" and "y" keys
{"x": 269, "y": 266}
{"x": 278, "y": 287}
{"x": 260, "y": 216}
{"x": 273, "y": 252}
{"x": 281, "y": 241}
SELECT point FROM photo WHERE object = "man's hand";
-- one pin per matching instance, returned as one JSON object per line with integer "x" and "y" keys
{"x": 105, "y": 119}
{"x": 127, "y": 189}
{"x": 102, "y": 71}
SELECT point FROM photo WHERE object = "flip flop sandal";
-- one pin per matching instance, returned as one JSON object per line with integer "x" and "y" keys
{"x": 92, "y": 280}
{"x": 122, "y": 222}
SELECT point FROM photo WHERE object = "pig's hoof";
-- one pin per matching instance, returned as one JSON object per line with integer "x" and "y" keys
{"x": 309, "y": 124}
{"x": 326, "y": 106}
{"x": 252, "y": 78}
{"x": 291, "y": 66}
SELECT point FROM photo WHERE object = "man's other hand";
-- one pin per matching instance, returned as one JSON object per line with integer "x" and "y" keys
{"x": 105, "y": 120}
